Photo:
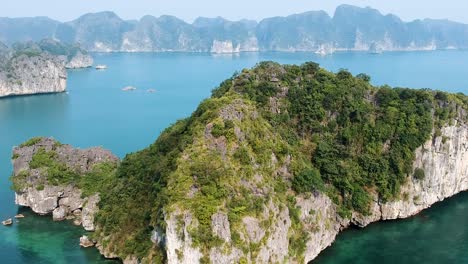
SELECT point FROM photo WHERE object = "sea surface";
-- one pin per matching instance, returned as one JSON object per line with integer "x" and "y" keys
{"x": 95, "y": 111}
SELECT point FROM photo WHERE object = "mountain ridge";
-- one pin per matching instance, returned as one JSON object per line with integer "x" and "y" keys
{"x": 350, "y": 28}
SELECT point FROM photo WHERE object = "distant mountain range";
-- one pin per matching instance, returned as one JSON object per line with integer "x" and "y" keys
{"x": 350, "y": 28}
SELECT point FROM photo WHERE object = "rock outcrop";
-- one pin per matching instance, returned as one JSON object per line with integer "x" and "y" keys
{"x": 85, "y": 241}
{"x": 34, "y": 188}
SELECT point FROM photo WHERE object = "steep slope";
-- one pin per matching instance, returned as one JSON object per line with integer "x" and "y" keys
{"x": 277, "y": 163}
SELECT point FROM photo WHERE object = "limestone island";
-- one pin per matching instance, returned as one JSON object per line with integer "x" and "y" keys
{"x": 270, "y": 169}
{"x": 34, "y": 68}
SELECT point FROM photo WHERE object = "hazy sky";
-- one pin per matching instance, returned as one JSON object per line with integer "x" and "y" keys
{"x": 65, "y": 10}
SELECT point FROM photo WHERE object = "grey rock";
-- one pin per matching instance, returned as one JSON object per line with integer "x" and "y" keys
{"x": 80, "y": 60}
{"x": 89, "y": 211}
{"x": 220, "y": 225}
{"x": 131, "y": 260}
{"x": 32, "y": 74}
{"x": 60, "y": 213}
{"x": 85, "y": 242}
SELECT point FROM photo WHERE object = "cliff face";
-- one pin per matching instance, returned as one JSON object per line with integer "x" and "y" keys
{"x": 35, "y": 187}
{"x": 32, "y": 74}
{"x": 444, "y": 160}
{"x": 32, "y": 68}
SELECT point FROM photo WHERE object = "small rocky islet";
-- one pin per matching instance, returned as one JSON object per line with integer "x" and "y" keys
{"x": 271, "y": 168}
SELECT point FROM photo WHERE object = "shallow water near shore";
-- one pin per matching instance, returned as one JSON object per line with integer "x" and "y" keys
{"x": 95, "y": 111}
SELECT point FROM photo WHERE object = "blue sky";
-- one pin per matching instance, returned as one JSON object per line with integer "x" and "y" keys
{"x": 65, "y": 10}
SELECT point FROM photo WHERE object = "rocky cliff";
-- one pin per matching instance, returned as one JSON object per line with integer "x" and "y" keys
{"x": 349, "y": 28}
{"x": 444, "y": 160}
{"x": 32, "y": 68}
{"x": 268, "y": 170}
{"x": 32, "y": 73}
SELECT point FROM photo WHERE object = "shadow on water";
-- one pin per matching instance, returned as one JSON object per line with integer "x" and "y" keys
{"x": 437, "y": 235}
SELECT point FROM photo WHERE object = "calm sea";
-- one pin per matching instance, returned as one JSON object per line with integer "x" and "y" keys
{"x": 95, "y": 111}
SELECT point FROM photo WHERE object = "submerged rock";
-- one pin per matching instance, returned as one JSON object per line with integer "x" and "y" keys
{"x": 7, "y": 222}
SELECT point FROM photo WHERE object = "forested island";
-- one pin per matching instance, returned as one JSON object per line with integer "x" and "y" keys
{"x": 271, "y": 168}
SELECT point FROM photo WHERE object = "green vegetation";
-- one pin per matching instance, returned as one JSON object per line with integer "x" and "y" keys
{"x": 19, "y": 182}
{"x": 419, "y": 174}
{"x": 57, "y": 172}
{"x": 98, "y": 180}
{"x": 31, "y": 142}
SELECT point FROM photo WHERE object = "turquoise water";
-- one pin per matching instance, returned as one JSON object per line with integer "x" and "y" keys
{"x": 96, "y": 112}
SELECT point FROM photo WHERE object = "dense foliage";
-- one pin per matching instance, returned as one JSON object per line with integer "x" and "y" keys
{"x": 342, "y": 135}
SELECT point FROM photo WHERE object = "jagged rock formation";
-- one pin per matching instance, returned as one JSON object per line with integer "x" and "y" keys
{"x": 35, "y": 187}
{"x": 270, "y": 169}
{"x": 350, "y": 28}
